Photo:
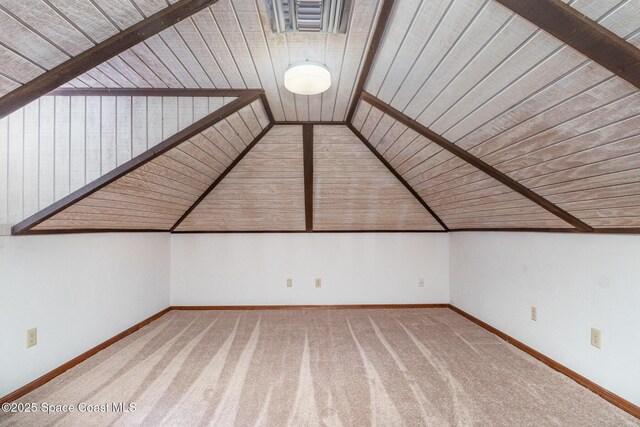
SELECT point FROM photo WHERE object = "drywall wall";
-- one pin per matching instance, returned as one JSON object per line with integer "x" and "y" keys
{"x": 78, "y": 290}
{"x": 576, "y": 282}
{"x": 355, "y": 268}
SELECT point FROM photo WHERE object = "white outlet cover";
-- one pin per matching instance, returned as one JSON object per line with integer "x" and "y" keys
{"x": 534, "y": 313}
{"x": 421, "y": 282}
{"x": 289, "y": 283}
{"x": 596, "y": 338}
{"x": 32, "y": 337}
{"x": 318, "y": 283}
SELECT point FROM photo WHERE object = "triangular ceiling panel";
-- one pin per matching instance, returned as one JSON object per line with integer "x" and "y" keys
{"x": 263, "y": 192}
{"x": 460, "y": 194}
{"x": 353, "y": 190}
{"x": 152, "y": 192}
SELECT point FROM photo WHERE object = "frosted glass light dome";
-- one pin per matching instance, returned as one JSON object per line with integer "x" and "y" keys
{"x": 307, "y": 78}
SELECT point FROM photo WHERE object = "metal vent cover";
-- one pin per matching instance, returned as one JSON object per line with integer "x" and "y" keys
{"x": 311, "y": 16}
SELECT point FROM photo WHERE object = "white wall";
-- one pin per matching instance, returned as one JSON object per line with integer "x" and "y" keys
{"x": 78, "y": 290}
{"x": 251, "y": 269}
{"x": 575, "y": 281}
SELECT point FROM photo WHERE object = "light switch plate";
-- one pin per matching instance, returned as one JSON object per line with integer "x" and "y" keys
{"x": 289, "y": 283}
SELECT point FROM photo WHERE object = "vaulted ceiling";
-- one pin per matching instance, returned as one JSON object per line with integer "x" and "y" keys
{"x": 442, "y": 115}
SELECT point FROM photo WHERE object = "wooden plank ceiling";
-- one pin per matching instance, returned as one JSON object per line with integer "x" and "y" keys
{"x": 481, "y": 119}
{"x": 354, "y": 191}
{"x": 264, "y": 192}
{"x": 152, "y": 192}
{"x": 520, "y": 100}
{"x": 227, "y": 45}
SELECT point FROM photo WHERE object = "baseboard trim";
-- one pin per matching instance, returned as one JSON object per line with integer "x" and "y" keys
{"x": 76, "y": 360}
{"x": 612, "y": 398}
{"x": 305, "y": 307}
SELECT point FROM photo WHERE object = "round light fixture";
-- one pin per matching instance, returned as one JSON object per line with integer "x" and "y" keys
{"x": 307, "y": 78}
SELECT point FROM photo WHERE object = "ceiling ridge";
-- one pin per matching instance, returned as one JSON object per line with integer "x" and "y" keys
{"x": 472, "y": 160}
{"x": 121, "y": 171}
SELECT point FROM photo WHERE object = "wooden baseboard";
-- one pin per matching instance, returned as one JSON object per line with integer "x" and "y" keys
{"x": 616, "y": 400}
{"x": 305, "y": 307}
{"x": 76, "y": 360}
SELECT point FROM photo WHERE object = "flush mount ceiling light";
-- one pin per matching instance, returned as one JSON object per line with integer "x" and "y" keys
{"x": 307, "y": 78}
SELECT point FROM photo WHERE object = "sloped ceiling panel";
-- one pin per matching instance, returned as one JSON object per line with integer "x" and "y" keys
{"x": 231, "y": 45}
{"x": 156, "y": 194}
{"x": 521, "y": 101}
{"x": 619, "y": 17}
{"x": 38, "y": 35}
{"x": 264, "y": 192}
{"x": 353, "y": 190}
{"x": 460, "y": 194}
{"x": 58, "y": 144}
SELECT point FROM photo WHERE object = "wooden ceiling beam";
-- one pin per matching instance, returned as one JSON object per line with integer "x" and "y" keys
{"x": 151, "y": 92}
{"x": 397, "y": 175}
{"x": 100, "y": 53}
{"x": 474, "y": 161}
{"x": 583, "y": 34}
{"x": 376, "y": 41}
{"x": 24, "y": 226}
{"x": 307, "y": 155}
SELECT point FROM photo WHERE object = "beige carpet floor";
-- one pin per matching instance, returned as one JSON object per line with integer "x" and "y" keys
{"x": 319, "y": 367}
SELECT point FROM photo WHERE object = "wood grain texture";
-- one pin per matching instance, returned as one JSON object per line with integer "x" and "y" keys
{"x": 460, "y": 194}
{"x": 354, "y": 190}
{"x": 231, "y": 45}
{"x": 264, "y": 191}
{"x": 63, "y": 64}
{"x": 147, "y": 176}
{"x": 64, "y": 141}
{"x": 165, "y": 188}
{"x": 447, "y": 178}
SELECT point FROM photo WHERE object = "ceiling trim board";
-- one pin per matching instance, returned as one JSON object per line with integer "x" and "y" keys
{"x": 474, "y": 161}
{"x": 267, "y": 107}
{"x": 281, "y": 123}
{"x": 581, "y": 33}
{"x": 100, "y": 53}
{"x": 24, "y": 226}
{"x": 305, "y": 231}
{"x": 151, "y": 92}
{"x": 397, "y": 175}
{"x": 222, "y": 175}
{"x": 376, "y": 41}
{"x": 307, "y": 155}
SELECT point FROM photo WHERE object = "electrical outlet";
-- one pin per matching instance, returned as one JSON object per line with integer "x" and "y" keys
{"x": 596, "y": 338}
{"x": 534, "y": 313}
{"x": 289, "y": 283}
{"x": 32, "y": 337}
{"x": 318, "y": 283}
{"x": 421, "y": 282}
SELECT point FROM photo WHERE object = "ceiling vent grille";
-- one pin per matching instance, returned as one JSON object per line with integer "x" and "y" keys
{"x": 310, "y": 16}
